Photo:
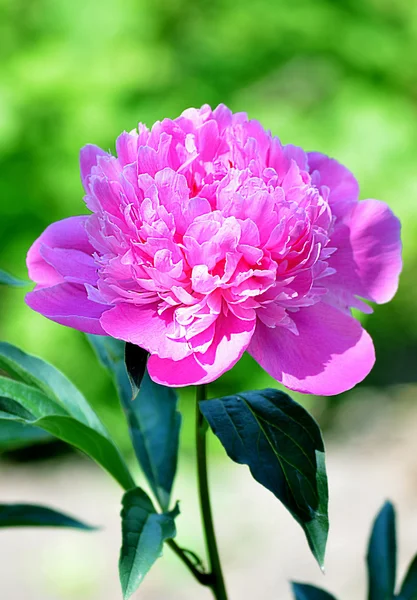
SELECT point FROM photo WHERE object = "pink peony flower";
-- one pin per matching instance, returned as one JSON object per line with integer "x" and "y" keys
{"x": 207, "y": 238}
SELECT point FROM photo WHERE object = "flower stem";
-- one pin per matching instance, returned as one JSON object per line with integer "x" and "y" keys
{"x": 217, "y": 584}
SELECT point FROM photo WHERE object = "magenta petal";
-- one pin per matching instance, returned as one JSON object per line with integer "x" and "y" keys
{"x": 176, "y": 373}
{"x": 368, "y": 256}
{"x": 231, "y": 339}
{"x": 344, "y": 189}
{"x": 127, "y": 147}
{"x": 68, "y": 304}
{"x": 68, "y": 234}
{"x": 40, "y": 271}
{"x": 331, "y": 354}
{"x": 63, "y": 252}
{"x": 74, "y": 266}
{"x": 141, "y": 325}
{"x": 88, "y": 159}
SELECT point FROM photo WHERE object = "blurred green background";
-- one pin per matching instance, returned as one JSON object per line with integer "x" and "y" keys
{"x": 335, "y": 76}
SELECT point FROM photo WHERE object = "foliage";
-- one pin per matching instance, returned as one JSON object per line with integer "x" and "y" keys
{"x": 144, "y": 533}
{"x": 37, "y": 395}
{"x": 267, "y": 430}
{"x": 282, "y": 445}
{"x": 382, "y": 565}
{"x": 151, "y": 412}
{"x": 30, "y": 515}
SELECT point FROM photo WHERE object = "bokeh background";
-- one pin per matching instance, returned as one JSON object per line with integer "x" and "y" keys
{"x": 335, "y": 76}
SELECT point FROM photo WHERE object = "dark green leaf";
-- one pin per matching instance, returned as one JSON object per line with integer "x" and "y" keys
{"x": 7, "y": 279}
{"x": 317, "y": 529}
{"x": 409, "y": 586}
{"x": 31, "y": 515}
{"x": 154, "y": 422}
{"x": 382, "y": 555}
{"x": 135, "y": 359}
{"x": 30, "y": 406}
{"x": 143, "y": 534}
{"x": 154, "y": 425}
{"x": 282, "y": 445}
{"x": 303, "y": 591}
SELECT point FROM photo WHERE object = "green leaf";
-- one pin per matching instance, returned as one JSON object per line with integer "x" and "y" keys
{"x": 152, "y": 415}
{"x": 14, "y": 436}
{"x": 409, "y": 587}
{"x": 302, "y": 591}
{"x": 382, "y": 555}
{"x": 282, "y": 445}
{"x": 27, "y": 405}
{"x": 40, "y": 374}
{"x": 318, "y": 528}
{"x": 143, "y": 534}
{"x": 154, "y": 425}
{"x": 26, "y": 402}
{"x": 32, "y": 515}
{"x": 7, "y": 279}
{"x": 109, "y": 351}
{"x": 135, "y": 360}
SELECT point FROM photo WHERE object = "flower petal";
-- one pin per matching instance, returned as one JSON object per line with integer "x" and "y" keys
{"x": 144, "y": 327}
{"x": 330, "y": 354}
{"x": 231, "y": 338}
{"x": 68, "y": 304}
{"x": 88, "y": 159}
{"x": 127, "y": 147}
{"x": 344, "y": 189}
{"x": 176, "y": 373}
{"x": 74, "y": 266}
{"x": 368, "y": 256}
{"x": 67, "y": 234}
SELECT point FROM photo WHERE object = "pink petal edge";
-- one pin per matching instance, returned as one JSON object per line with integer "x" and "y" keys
{"x": 331, "y": 353}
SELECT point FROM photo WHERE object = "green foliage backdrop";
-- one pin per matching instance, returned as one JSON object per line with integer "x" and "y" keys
{"x": 332, "y": 76}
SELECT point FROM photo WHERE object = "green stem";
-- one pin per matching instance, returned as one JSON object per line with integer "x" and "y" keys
{"x": 201, "y": 576}
{"x": 217, "y": 585}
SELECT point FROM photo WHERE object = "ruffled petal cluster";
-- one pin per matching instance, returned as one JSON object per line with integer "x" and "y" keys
{"x": 208, "y": 237}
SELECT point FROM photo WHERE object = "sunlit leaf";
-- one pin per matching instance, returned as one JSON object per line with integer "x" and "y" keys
{"x": 143, "y": 534}
{"x": 40, "y": 374}
{"x": 24, "y": 404}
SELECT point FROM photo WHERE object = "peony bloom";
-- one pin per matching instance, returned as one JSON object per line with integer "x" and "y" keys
{"x": 207, "y": 237}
